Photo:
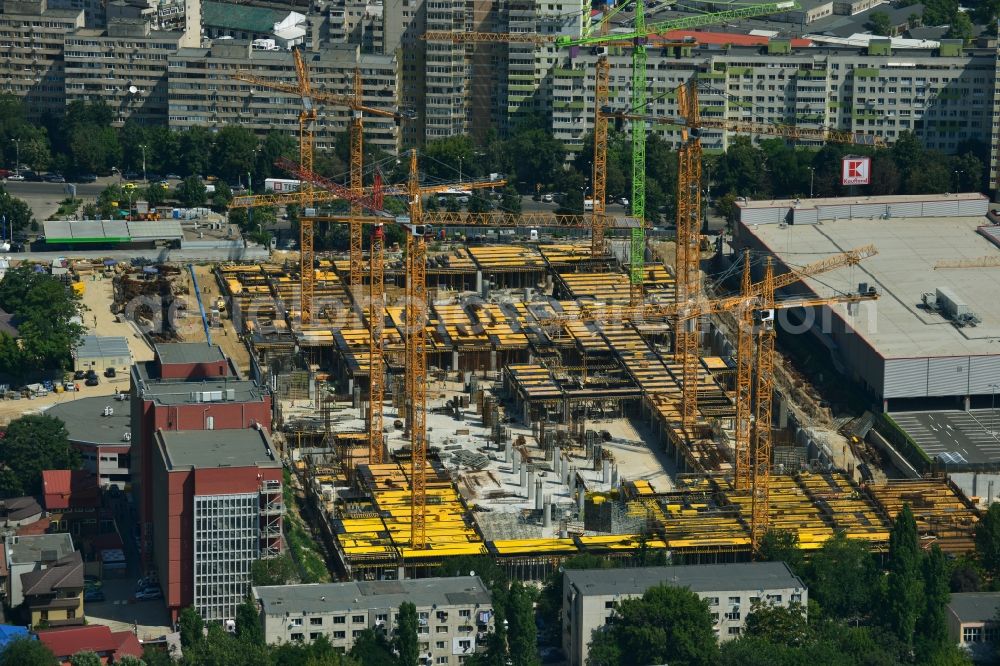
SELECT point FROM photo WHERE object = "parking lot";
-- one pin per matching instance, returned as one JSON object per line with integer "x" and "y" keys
{"x": 955, "y": 431}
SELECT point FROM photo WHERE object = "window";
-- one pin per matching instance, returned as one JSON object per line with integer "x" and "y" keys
{"x": 797, "y": 598}
{"x": 297, "y": 637}
{"x": 712, "y": 601}
{"x": 609, "y": 604}
{"x": 314, "y": 635}
{"x": 316, "y": 621}
{"x": 441, "y": 629}
{"x": 440, "y": 645}
{"x": 774, "y": 598}
{"x": 356, "y": 633}
{"x": 972, "y": 634}
{"x": 734, "y": 615}
{"x": 465, "y": 645}
{"x": 734, "y": 631}
{"x": 734, "y": 601}
{"x": 340, "y": 634}
{"x": 465, "y": 613}
{"x": 296, "y": 622}
{"x": 339, "y": 619}
{"x": 357, "y": 619}
{"x": 441, "y": 660}
{"x": 382, "y": 617}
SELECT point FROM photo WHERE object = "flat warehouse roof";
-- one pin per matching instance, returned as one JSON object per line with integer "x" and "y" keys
{"x": 99, "y": 346}
{"x": 903, "y": 270}
{"x": 111, "y": 231}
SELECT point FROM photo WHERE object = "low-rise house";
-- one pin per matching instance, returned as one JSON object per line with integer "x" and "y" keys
{"x": 109, "y": 645}
{"x": 31, "y": 553}
{"x": 972, "y": 623}
{"x": 54, "y": 596}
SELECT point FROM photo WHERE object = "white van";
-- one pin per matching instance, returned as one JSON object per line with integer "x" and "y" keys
{"x": 588, "y": 204}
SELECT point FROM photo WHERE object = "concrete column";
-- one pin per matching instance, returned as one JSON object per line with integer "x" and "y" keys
{"x": 968, "y": 402}
{"x": 479, "y": 282}
{"x": 454, "y": 360}
{"x": 507, "y": 451}
{"x": 605, "y": 471}
{"x": 517, "y": 462}
{"x": 783, "y": 413}
{"x": 556, "y": 460}
{"x": 524, "y": 478}
{"x": 531, "y": 484}
{"x": 614, "y": 476}
{"x": 526, "y": 418}
{"x": 580, "y": 497}
{"x": 539, "y": 499}
{"x": 571, "y": 479}
{"x": 546, "y": 512}
{"x": 493, "y": 360}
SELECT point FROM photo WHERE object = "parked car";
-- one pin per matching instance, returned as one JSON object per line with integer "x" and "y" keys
{"x": 92, "y": 381}
{"x": 93, "y": 595}
{"x": 547, "y": 198}
{"x": 173, "y": 176}
{"x": 147, "y": 595}
{"x": 109, "y": 372}
{"x": 79, "y": 374}
{"x": 91, "y": 374}
{"x": 15, "y": 176}
{"x": 86, "y": 178}
{"x": 69, "y": 386}
{"x": 53, "y": 178}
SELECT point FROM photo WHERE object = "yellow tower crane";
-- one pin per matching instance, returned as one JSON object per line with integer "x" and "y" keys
{"x": 354, "y": 102}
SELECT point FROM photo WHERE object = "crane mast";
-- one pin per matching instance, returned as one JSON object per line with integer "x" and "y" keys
{"x": 760, "y": 464}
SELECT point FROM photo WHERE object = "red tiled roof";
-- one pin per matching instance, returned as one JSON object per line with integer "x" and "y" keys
{"x": 728, "y": 38}
{"x": 65, "y": 488}
{"x": 67, "y": 641}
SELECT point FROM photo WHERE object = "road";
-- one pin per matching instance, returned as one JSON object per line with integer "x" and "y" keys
{"x": 44, "y": 198}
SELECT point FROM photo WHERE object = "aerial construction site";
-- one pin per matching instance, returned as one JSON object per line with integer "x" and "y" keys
{"x": 573, "y": 389}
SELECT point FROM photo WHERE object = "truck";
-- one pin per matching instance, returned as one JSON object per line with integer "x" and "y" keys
{"x": 280, "y": 185}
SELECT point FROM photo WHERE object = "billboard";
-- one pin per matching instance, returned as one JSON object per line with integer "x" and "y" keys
{"x": 856, "y": 171}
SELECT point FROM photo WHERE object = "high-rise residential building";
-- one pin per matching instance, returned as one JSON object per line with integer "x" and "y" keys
{"x": 31, "y": 53}
{"x": 217, "y": 508}
{"x": 944, "y": 96}
{"x": 125, "y": 65}
{"x": 203, "y": 92}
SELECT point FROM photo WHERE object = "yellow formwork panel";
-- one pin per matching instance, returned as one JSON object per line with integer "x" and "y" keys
{"x": 534, "y": 546}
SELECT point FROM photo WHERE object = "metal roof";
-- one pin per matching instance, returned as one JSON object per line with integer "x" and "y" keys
{"x": 101, "y": 346}
{"x": 250, "y": 19}
{"x": 975, "y": 606}
{"x": 695, "y": 577}
{"x": 896, "y": 326}
{"x": 372, "y": 595}
{"x": 246, "y": 447}
{"x": 111, "y": 231}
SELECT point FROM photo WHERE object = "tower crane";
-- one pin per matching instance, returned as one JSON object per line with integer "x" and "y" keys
{"x": 640, "y": 36}
{"x": 355, "y": 103}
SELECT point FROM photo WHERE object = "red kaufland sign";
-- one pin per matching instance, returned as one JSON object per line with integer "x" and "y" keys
{"x": 856, "y": 171}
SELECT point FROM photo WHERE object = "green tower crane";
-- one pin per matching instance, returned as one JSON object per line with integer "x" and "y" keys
{"x": 639, "y": 37}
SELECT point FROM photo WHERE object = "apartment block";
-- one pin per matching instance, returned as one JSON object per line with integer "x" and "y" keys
{"x": 217, "y": 509}
{"x": 728, "y": 589}
{"x": 31, "y": 53}
{"x": 454, "y": 615}
{"x": 944, "y": 95}
{"x": 203, "y": 92}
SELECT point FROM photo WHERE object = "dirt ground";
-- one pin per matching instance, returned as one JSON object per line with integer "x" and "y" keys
{"x": 99, "y": 320}
{"x": 191, "y": 329}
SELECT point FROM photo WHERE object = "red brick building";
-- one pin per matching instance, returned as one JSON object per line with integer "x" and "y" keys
{"x": 188, "y": 386}
{"x": 216, "y": 509}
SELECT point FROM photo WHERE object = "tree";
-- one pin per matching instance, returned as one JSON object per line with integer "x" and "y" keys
{"x": 522, "y": 636}
{"x": 222, "y": 196}
{"x": 34, "y": 443}
{"x": 85, "y": 659}
{"x": 442, "y": 158}
{"x": 939, "y": 12}
{"x": 666, "y": 625}
{"x": 740, "y": 171}
{"x": 988, "y": 541}
{"x": 233, "y": 152}
{"x": 195, "y": 148}
{"x": 248, "y": 627}
{"x": 932, "y": 626}
{"x": 45, "y": 310}
{"x": 93, "y": 149}
{"x": 904, "y": 592}
{"x": 965, "y": 577}
{"x": 960, "y": 28}
{"x": 880, "y": 24}
{"x": 278, "y": 570}
{"x": 129, "y": 660}
{"x": 843, "y": 578}
{"x": 406, "y": 635}
{"x": 221, "y": 648}
{"x": 372, "y": 649}
{"x": 15, "y": 211}
{"x": 781, "y": 546}
{"x": 192, "y": 627}
{"x": 778, "y": 624}
{"x": 155, "y": 194}
{"x": 192, "y": 192}
{"x": 27, "y": 652}
{"x": 510, "y": 200}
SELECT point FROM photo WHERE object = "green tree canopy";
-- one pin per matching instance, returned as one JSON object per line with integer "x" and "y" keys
{"x": 406, "y": 635}
{"x": 27, "y": 652}
{"x": 783, "y": 625}
{"x": 15, "y": 211}
{"x": 666, "y": 625}
{"x": 85, "y": 659}
{"x": 843, "y": 578}
{"x": 904, "y": 592}
{"x": 192, "y": 192}
{"x": 191, "y": 626}
{"x": 248, "y": 627}
{"x": 988, "y": 541}
{"x": 278, "y": 570}
{"x": 880, "y": 24}
{"x": 372, "y": 649}
{"x": 233, "y": 152}
{"x": 34, "y": 443}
